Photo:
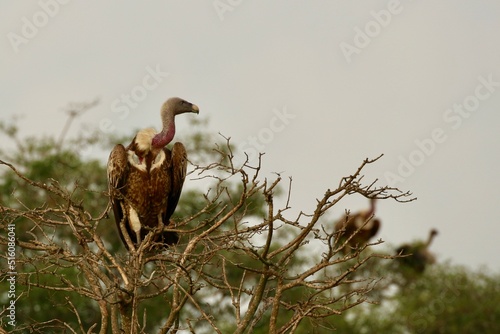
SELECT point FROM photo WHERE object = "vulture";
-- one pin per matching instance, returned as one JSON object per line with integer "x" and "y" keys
{"x": 417, "y": 254}
{"x": 348, "y": 225}
{"x": 145, "y": 178}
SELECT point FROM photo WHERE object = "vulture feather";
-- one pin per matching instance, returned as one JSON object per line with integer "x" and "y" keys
{"x": 145, "y": 178}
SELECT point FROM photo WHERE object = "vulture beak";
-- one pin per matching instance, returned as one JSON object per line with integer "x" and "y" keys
{"x": 195, "y": 108}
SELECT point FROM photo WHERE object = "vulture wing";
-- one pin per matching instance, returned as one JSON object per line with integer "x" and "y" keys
{"x": 176, "y": 168}
{"x": 117, "y": 174}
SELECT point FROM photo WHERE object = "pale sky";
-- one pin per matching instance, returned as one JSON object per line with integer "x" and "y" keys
{"x": 319, "y": 86}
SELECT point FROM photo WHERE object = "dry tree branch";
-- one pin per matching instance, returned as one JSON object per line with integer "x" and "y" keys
{"x": 254, "y": 263}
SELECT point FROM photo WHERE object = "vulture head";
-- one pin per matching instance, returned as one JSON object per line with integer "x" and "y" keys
{"x": 177, "y": 106}
{"x": 172, "y": 107}
{"x": 432, "y": 234}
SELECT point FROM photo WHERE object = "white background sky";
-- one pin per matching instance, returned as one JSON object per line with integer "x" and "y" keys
{"x": 242, "y": 63}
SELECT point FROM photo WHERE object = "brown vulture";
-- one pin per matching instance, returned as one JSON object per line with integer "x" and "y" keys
{"x": 417, "y": 254}
{"x": 145, "y": 178}
{"x": 348, "y": 225}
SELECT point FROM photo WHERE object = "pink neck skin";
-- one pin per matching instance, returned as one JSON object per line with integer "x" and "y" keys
{"x": 165, "y": 136}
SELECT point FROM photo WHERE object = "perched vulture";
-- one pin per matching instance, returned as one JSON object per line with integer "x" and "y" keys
{"x": 348, "y": 225}
{"x": 145, "y": 178}
{"x": 418, "y": 254}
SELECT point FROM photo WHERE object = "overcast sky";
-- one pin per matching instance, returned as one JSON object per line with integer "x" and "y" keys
{"x": 319, "y": 86}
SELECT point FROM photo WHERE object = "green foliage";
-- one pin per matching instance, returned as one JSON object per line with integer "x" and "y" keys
{"x": 45, "y": 160}
{"x": 445, "y": 299}
{"x": 451, "y": 299}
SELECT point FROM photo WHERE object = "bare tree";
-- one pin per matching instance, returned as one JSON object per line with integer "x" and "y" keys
{"x": 229, "y": 273}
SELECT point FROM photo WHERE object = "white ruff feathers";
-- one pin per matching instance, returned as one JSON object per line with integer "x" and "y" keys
{"x": 160, "y": 158}
{"x": 144, "y": 138}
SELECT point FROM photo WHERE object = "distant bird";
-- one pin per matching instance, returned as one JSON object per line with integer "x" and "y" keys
{"x": 145, "y": 178}
{"x": 348, "y": 225}
{"x": 418, "y": 254}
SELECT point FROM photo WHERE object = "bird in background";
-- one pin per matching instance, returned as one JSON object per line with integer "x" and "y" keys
{"x": 351, "y": 226}
{"x": 145, "y": 178}
{"x": 416, "y": 256}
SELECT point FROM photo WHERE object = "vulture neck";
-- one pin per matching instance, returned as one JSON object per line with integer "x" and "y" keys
{"x": 370, "y": 211}
{"x": 431, "y": 236}
{"x": 167, "y": 133}
{"x": 372, "y": 205}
